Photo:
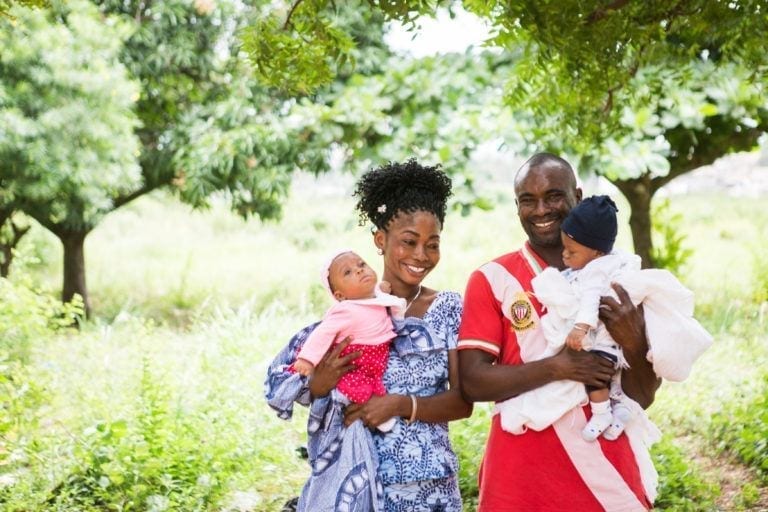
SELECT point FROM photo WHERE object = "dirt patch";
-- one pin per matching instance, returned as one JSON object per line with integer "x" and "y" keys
{"x": 731, "y": 475}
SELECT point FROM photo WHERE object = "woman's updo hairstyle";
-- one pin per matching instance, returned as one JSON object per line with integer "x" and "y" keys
{"x": 402, "y": 187}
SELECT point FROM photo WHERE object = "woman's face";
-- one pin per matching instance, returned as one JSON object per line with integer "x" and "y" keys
{"x": 411, "y": 245}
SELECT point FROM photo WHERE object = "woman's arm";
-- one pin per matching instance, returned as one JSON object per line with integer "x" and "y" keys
{"x": 446, "y": 406}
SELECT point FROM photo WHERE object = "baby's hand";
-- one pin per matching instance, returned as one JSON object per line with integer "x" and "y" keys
{"x": 385, "y": 286}
{"x": 303, "y": 367}
{"x": 575, "y": 338}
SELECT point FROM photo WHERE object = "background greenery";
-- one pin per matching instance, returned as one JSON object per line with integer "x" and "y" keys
{"x": 157, "y": 403}
{"x": 110, "y": 110}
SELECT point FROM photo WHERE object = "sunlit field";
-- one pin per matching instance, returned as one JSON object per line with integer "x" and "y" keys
{"x": 157, "y": 402}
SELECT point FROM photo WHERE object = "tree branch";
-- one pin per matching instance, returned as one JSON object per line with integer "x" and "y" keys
{"x": 127, "y": 198}
{"x": 290, "y": 13}
{"x": 600, "y": 13}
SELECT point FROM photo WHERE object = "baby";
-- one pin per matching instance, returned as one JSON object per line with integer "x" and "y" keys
{"x": 362, "y": 312}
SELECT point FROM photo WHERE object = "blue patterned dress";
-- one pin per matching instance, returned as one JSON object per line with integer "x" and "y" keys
{"x": 410, "y": 468}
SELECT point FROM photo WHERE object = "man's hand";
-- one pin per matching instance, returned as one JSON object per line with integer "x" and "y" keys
{"x": 331, "y": 368}
{"x": 624, "y": 321}
{"x": 626, "y": 325}
{"x": 583, "y": 366}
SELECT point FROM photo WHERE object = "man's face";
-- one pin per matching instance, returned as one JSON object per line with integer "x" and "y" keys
{"x": 545, "y": 195}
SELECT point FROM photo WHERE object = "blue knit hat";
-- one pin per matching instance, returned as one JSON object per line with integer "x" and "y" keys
{"x": 592, "y": 223}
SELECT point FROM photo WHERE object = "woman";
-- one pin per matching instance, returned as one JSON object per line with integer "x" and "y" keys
{"x": 415, "y": 465}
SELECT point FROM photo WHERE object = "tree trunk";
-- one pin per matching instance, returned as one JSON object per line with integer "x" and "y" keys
{"x": 639, "y": 193}
{"x": 74, "y": 267}
{"x": 7, "y": 246}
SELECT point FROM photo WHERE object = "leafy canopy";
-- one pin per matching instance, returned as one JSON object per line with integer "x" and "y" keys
{"x": 66, "y": 105}
{"x": 580, "y": 60}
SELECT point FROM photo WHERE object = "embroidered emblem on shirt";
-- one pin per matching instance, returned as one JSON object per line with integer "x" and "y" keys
{"x": 521, "y": 312}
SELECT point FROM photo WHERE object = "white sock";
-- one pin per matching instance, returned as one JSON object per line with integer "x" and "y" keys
{"x": 600, "y": 420}
{"x": 621, "y": 415}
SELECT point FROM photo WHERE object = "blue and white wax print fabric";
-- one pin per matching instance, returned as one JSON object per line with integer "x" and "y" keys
{"x": 418, "y": 365}
{"x": 347, "y": 468}
{"x": 343, "y": 460}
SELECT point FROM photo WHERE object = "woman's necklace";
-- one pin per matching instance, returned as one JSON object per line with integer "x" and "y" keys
{"x": 410, "y": 302}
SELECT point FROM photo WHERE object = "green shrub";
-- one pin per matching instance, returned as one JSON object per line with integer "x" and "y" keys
{"x": 159, "y": 460}
{"x": 668, "y": 251}
{"x": 26, "y": 318}
{"x": 468, "y": 439}
{"x": 681, "y": 487}
{"x": 741, "y": 428}
{"x": 27, "y": 315}
{"x": 759, "y": 275}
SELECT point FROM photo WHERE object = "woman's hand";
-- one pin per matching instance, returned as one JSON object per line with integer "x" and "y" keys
{"x": 331, "y": 368}
{"x": 377, "y": 410}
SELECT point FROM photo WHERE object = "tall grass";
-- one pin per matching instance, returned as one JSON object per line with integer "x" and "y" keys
{"x": 157, "y": 404}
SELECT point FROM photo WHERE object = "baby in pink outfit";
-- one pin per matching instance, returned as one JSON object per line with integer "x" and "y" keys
{"x": 361, "y": 311}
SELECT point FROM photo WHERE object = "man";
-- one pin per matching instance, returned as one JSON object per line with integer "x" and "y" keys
{"x": 499, "y": 340}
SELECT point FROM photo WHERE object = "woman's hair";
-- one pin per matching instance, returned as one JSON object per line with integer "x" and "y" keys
{"x": 402, "y": 187}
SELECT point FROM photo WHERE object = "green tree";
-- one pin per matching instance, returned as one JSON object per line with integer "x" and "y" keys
{"x": 67, "y": 144}
{"x": 658, "y": 87}
{"x": 643, "y": 92}
{"x": 438, "y": 109}
{"x": 182, "y": 112}
{"x": 6, "y": 5}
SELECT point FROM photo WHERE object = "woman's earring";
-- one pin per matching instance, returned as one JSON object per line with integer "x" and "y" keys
{"x": 380, "y": 251}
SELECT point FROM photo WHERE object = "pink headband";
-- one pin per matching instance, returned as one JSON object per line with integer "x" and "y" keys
{"x": 326, "y": 269}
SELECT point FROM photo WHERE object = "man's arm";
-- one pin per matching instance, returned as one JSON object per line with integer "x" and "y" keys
{"x": 483, "y": 381}
{"x": 626, "y": 325}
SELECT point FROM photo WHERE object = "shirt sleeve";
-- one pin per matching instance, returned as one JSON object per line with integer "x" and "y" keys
{"x": 482, "y": 322}
{"x": 325, "y": 333}
{"x": 450, "y": 317}
{"x": 592, "y": 282}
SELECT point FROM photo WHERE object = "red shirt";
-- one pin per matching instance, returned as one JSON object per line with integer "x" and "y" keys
{"x": 554, "y": 469}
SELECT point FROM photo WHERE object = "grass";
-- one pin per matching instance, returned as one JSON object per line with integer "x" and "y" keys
{"x": 157, "y": 404}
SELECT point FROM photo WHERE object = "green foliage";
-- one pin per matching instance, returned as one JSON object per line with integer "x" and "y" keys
{"x": 28, "y": 319}
{"x": 61, "y": 74}
{"x": 20, "y": 398}
{"x": 151, "y": 462}
{"x": 759, "y": 275}
{"x": 468, "y": 438}
{"x": 439, "y": 109}
{"x": 27, "y": 315}
{"x": 673, "y": 120}
{"x": 669, "y": 251}
{"x": 300, "y": 46}
{"x": 203, "y": 389}
{"x": 748, "y": 498}
{"x": 641, "y": 92}
{"x": 681, "y": 485}
{"x": 311, "y": 53}
{"x": 580, "y": 59}
{"x": 7, "y": 5}
{"x": 741, "y": 428}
